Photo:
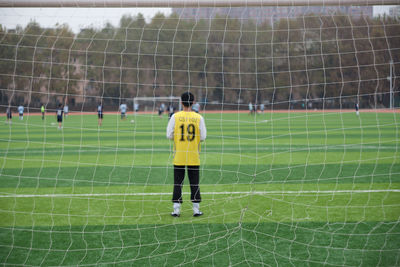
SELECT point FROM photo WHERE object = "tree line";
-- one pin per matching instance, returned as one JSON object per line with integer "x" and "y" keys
{"x": 326, "y": 61}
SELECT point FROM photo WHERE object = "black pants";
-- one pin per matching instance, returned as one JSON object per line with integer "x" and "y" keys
{"x": 179, "y": 176}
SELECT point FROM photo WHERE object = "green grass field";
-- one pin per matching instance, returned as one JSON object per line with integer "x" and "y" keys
{"x": 287, "y": 189}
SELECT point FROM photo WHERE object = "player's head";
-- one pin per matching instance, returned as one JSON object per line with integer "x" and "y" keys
{"x": 187, "y": 99}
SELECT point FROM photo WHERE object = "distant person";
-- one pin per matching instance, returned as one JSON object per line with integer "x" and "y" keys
{"x": 123, "y": 109}
{"x": 160, "y": 111}
{"x": 136, "y": 106}
{"x": 196, "y": 107}
{"x": 42, "y": 111}
{"x": 357, "y": 109}
{"x": 66, "y": 111}
{"x": 9, "y": 115}
{"x": 251, "y": 108}
{"x": 171, "y": 111}
{"x": 59, "y": 113}
{"x": 262, "y": 107}
{"x": 99, "y": 114}
{"x": 21, "y": 112}
{"x": 187, "y": 129}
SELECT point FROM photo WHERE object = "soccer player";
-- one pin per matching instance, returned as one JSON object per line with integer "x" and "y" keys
{"x": 160, "y": 111}
{"x": 9, "y": 115}
{"x": 250, "y": 108}
{"x": 357, "y": 109}
{"x": 66, "y": 111}
{"x": 123, "y": 108}
{"x": 196, "y": 107}
{"x": 59, "y": 113}
{"x": 187, "y": 129}
{"x": 42, "y": 110}
{"x": 171, "y": 110}
{"x": 100, "y": 114}
{"x": 21, "y": 112}
{"x": 262, "y": 107}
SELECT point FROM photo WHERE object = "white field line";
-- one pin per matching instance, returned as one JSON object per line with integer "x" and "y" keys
{"x": 207, "y": 193}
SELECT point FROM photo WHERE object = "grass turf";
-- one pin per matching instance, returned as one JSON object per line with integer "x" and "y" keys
{"x": 88, "y": 195}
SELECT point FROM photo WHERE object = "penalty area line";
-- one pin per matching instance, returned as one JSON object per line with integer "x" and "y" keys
{"x": 207, "y": 193}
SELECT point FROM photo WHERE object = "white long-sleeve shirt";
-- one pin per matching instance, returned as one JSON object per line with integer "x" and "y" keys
{"x": 171, "y": 127}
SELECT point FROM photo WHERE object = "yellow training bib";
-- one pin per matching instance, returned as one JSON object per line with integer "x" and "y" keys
{"x": 187, "y": 138}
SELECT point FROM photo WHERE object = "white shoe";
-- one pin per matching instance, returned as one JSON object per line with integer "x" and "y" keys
{"x": 196, "y": 210}
{"x": 197, "y": 214}
{"x": 177, "y": 210}
{"x": 175, "y": 214}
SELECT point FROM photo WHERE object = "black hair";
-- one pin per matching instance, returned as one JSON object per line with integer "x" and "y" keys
{"x": 187, "y": 99}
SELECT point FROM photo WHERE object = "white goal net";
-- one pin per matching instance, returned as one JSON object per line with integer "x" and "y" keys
{"x": 159, "y": 104}
{"x": 300, "y": 166}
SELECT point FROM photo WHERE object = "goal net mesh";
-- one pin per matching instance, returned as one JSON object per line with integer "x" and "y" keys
{"x": 300, "y": 166}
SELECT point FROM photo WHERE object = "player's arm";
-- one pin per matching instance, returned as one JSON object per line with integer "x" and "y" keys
{"x": 171, "y": 127}
{"x": 203, "y": 130}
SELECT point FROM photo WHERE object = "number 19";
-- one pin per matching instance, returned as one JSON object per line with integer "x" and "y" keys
{"x": 191, "y": 131}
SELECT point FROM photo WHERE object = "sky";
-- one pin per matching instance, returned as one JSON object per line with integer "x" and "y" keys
{"x": 78, "y": 18}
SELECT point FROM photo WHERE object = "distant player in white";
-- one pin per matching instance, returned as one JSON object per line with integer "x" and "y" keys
{"x": 66, "y": 111}
{"x": 262, "y": 107}
{"x": 21, "y": 112}
{"x": 357, "y": 109}
{"x": 196, "y": 107}
{"x": 250, "y": 108}
{"x": 123, "y": 109}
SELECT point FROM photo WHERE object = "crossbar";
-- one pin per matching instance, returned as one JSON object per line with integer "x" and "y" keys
{"x": 190, "y": 3}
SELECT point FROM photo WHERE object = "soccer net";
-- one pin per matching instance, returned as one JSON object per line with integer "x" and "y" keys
{"x": 301, "y": 164}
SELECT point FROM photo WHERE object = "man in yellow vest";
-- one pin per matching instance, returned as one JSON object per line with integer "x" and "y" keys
{"x": 187, "y": 129}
